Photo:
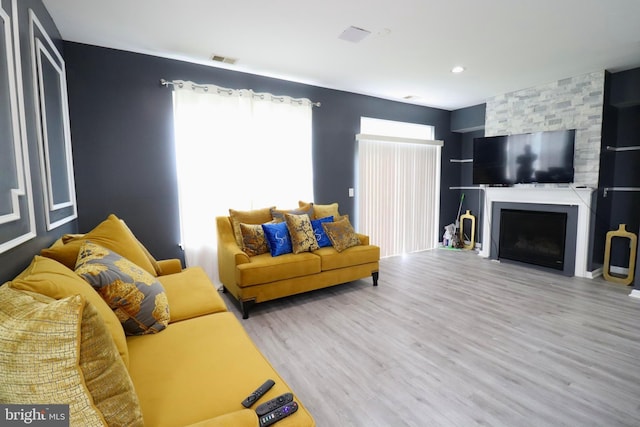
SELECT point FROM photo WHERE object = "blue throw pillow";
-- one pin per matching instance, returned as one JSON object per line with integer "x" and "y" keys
{"x": 318, "y": 230}
{"x": 278, "y": 237}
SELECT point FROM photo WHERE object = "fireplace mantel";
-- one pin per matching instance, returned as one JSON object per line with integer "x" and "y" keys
{"x": 571, "y": 196}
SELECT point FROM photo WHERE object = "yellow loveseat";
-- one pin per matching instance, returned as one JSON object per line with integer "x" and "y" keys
{"x": 194, "y": 372}
{"x": 263, "y": 277}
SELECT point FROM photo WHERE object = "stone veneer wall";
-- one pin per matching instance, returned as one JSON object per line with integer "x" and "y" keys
{"x": 572, "y": 103}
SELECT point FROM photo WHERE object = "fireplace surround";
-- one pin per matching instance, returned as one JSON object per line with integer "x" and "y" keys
{"x": 576, "y": 202}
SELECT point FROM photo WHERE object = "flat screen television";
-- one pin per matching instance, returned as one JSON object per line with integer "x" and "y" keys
{"x": 541, "y": 157}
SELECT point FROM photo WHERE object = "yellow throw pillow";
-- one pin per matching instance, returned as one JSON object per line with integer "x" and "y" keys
{"x": 137, "y": 298}
{"x": 40, "y": 352}
{"x": 105, "y": 375}
{"x": 341, "y": 234}
{"x": 156, "y": 266}
{"x": 322, "y": 211}
{"x": 257, "y": 216}
{"x": 303, "y": 238}
{"x": 48, "y": 277}
{"x": 110, "y": 233}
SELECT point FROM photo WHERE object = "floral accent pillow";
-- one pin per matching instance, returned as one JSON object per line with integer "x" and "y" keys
{"x": 254, "y": 242}
{"x": 137, "y": 298}
{"x": 303, "y": 239}
{"x": 341, "y": 234}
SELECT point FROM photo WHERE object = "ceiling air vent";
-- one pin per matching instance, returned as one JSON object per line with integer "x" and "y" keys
{"x": 224, "y": 59}
{"x": 354, "y": 34}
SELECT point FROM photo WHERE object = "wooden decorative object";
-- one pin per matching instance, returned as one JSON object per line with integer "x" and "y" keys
{"x": 621, "y": 232}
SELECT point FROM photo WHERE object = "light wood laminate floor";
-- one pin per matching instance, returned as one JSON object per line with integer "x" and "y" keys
{"x": 451, "y": 339}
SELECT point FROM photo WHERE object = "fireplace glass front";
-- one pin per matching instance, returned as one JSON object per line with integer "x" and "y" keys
{"x": 533, "y": 237}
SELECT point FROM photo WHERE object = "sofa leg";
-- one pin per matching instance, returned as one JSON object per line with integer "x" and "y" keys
{"x": 374, "y": 276}
{"x": 225, "y": 290}
{"x": 245, "y": 306}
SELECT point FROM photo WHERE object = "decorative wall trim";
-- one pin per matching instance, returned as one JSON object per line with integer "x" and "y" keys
{"x": 17, "y": 225}
{"x": 54, "y": 134}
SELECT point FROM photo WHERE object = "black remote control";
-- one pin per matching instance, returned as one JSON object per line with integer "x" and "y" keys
{"x": 274, "y": 403}
{"x": 278, "y": 414}
{"x": 253, "y": 397}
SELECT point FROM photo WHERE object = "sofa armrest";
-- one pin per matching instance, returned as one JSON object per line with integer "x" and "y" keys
{"x": 364, "y": 239}
{"x": 241, "y": 418}
{"x": 170, "y": 266}
{"x": 229, "y": 254}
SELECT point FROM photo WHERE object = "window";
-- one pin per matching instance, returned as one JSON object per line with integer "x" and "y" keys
{"x": 234, "y": 150}
{"x": 398, "y": 185}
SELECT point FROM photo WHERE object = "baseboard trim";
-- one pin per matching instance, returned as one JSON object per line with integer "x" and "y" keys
{"x": 594, "y": 274}
{"x": 635, "y": 293}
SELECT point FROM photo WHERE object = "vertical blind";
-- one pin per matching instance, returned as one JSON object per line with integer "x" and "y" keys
{"x": 398, "y": 198}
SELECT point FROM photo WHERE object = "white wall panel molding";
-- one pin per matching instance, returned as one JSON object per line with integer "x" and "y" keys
{"x": 53, "y": 131}
{"x": 17, "y": 221}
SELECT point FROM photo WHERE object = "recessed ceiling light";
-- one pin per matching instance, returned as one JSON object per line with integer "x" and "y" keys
{"x": 457, "y": 69}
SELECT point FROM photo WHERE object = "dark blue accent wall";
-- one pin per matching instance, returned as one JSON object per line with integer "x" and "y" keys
{"x": 121, "y": 122}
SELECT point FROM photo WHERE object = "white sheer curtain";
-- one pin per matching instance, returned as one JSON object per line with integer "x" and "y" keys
{"x": 398, "y": 193}
{"x": 236, "y": 149}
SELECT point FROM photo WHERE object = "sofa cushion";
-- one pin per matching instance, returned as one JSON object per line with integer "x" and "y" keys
{"x": 137, "y": 297}
{"x": 256, "y": 216}
{"x": 277, "y": 235}
{"x": 303, "y": 239}
{"x": 356, "y": 255}
{"x": 318, "y": 230}
{"x": 341, "y": 234}
{"x": 191, "y": 294}
{"x": 243, "y": 417}
{"x": 321, "y": 211}
{"x": 40, "y": 353}
{"x": 254, "y": 241}
{"x": 48, "y": 277}
{"x": 214, "y": 366}
{"x": 110, "y": 233}
{"x": 265, "y": 268}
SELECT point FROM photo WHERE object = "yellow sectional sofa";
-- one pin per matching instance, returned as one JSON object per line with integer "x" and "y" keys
{"x": 194, "y": 372}
{"x": 259, "y": 278}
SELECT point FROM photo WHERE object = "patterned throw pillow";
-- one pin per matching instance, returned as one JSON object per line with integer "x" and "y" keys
{"x": 321, "y": 235}
{"x": 256, "y": 216}
{"x": 40, "y": 351}
{"x": 105, "y": 374}
{"x": 303, "y": 239}
{"x": 341, "y": 234}
{"x": 278, "y": 237}
{"x": 254, "y": 241}
{"x": 137, "y": 298}
{"x": 278, "y": 214}
{"x": 60, "y": 352}
{"x": 321, "y": 211}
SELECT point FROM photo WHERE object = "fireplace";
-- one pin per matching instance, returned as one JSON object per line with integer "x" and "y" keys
{"x": 574, "y": 202}
{"x": 533, "y": 237}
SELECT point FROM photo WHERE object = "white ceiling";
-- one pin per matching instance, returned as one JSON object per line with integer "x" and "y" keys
{"x": 505, "y": 45}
